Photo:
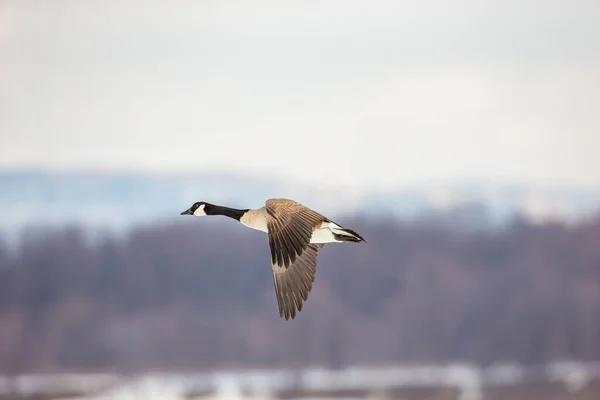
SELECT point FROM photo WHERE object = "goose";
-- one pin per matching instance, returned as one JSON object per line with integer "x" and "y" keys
{"x": 296, "y": 234}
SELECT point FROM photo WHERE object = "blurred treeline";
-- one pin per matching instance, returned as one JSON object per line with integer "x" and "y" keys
{"x": 200, "y": 295}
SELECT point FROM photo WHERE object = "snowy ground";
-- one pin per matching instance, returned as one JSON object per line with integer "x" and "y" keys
{"x": 465, "y": 382}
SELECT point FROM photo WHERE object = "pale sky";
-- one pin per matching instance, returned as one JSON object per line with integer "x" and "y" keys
{"x": 371, "y": 94}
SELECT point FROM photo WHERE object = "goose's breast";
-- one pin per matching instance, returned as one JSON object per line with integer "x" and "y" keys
{"x": 255, "y": 219}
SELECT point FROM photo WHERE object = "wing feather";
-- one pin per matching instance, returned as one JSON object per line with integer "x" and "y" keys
{"x": 290, "y": 226}
{"x": 292, "y": 284}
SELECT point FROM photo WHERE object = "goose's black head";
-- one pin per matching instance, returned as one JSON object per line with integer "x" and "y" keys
{"x": 202, "y": 208}
{"x": 198, "y": 209}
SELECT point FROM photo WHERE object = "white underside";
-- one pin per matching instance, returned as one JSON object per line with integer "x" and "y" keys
{"x": 325, "y": 233}
{"x": 323, "y": 236}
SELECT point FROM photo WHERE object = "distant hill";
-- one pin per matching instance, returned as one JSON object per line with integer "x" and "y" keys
{"x": 117, "y": 200}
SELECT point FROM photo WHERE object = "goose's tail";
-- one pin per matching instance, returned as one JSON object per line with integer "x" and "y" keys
{"x": 347, "y": 235}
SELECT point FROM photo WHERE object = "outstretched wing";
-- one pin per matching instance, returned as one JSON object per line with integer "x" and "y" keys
{"x": 293, "y": 283}
{"x": 290, "y": 226}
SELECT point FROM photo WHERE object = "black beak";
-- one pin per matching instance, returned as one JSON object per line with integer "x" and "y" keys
{"x": 187, "y": 212}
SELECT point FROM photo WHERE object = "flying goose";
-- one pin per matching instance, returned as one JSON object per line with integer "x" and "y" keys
{"x": 296, "y": 234}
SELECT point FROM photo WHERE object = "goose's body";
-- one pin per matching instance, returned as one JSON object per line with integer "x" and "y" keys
{"x": 296, "y": 234}
{"x": 324, "y": 233}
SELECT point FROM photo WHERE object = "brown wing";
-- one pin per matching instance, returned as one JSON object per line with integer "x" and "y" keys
{"x": 292, "y": 284}
{"x": 290, "y": 226}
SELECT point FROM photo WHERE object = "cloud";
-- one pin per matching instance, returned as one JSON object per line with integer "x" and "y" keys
{"x": 378, "y": 93}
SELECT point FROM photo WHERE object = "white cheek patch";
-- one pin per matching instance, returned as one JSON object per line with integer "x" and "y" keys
{"x": 200, "y": 211}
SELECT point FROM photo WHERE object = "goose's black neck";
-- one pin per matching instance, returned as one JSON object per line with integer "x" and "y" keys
{"x": 211, "y": 209}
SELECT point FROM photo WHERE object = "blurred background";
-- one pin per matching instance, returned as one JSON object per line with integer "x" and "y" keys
{"x": 461, "y": 139}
